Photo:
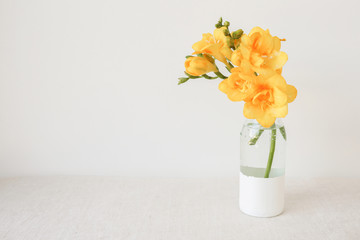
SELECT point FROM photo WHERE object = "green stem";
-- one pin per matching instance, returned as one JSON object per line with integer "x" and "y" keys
{"x": 232, "y": 66}
{"x": 191, "y": 76}
{"x": 229, "y": 66}
{"x": 220, "y": 75}
{"x": 208, "y": 77}
{"x": 271, "y": 153}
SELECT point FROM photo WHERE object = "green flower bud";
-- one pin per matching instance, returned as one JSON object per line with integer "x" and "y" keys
{"x": 230, "y": 42}
{"x": 226, "y": 32}
{"x": 226, "y": 24}
{"x": 219, "y": 23}
{"x": 237, "y": 34}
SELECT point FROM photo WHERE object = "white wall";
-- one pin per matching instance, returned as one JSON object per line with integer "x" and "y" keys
{"x": 90, "y": 87}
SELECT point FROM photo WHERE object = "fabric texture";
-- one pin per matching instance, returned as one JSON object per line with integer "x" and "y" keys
{"x": 52, "y": 208}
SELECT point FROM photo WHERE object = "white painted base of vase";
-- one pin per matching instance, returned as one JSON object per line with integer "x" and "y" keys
{"x": 262, "y": 197}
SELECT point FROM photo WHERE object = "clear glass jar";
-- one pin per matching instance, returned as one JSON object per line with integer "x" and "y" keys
{"x": 262, "y": 150}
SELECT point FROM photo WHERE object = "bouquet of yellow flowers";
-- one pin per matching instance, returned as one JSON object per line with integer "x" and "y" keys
{"x": 255, "y": 64}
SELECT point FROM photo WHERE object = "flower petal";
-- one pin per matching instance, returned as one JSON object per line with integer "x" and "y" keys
{"x": 277, "y": 44}
{"x": 252, "y": 111}
{"x": 206, "y": 40}
{"x": 279, "y": 112}
{"x": 219, "y": 34}
{"x": 223, "y": 85}
{"x": 291, "y": 93}
{"x": 214, "y": 50}
{"x": 280, "y": 97}
{"x": 232, "y": 93}
{"x": 255, "y": 30}
{"x": 226, "y": 51}
{"x": 276, "y": 80}
{"x": 277, "y": 61}
{"x": 266, "y": 120}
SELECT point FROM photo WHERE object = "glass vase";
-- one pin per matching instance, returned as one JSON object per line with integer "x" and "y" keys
{"x": 262, "y": 168}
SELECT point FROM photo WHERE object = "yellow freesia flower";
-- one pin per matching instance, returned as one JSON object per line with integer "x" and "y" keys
{"x": 261, "y": 49}
{"x": 271, "y": 98}
{"x": 214, "y": 45}
{"x": 238, "y": 87}
{"x": 256, "y": 78}
{"x": 197, "y": 66}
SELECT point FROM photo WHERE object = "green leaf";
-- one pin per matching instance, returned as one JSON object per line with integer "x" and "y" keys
{"x": 283, "y": 132}
{"x": 188, "y": 56}
{"x": 182, "y": 80}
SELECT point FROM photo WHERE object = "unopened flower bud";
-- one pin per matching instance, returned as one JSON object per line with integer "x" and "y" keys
{"x": 237, "y": 34}
{"x": 230, "y": 41}
{"x": 197, "y": 66}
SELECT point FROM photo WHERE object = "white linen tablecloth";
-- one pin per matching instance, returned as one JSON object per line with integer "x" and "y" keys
{"x": 86, "y": 208}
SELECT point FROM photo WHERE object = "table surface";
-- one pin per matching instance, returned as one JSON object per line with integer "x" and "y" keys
{"x": 51, "y": 208}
